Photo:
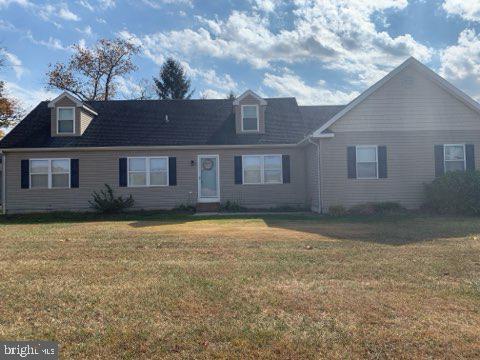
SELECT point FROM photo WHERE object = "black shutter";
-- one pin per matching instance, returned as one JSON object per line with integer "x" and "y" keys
{"x": 122, "y": 172}
{"x": 382, "y": 162}
{"x": 74, "y": 173}
{"x": 286, "y": 168}
{"x": 172, "y": 171}
{"x": 238, "y": 170}
{"x": 25, "y": 176}
{"x": 439, "y": 166}
{"x": 352, "y": 162}
{"x": 470, "y": 157}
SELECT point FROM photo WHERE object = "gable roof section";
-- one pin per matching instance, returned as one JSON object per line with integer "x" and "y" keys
{"x": 73, "y": 99}
{"x": 316, "y": 116}
{"x": 142, "y": 123}
{"x": 451, "y": 89}
{"x": 249, "y": 93}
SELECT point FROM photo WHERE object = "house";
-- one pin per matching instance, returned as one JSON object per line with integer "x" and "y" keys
{"x": 402, "y": 132}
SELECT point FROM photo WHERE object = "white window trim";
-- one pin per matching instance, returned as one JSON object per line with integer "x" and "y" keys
{"x": 49, "y": 173}
{"x": 58, "y": 119}
{"x": 262, "y": 170}
{"x": 147, "y": 171}
{"x": 445, "y": 157}
{"x": 258, "y": 118}
{"x": 357, "y": 162}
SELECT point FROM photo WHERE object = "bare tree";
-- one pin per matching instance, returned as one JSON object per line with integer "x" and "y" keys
{"x": 90, "y": 73}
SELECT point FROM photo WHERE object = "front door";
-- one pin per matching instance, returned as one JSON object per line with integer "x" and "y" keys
{"x": 208, "y": 178}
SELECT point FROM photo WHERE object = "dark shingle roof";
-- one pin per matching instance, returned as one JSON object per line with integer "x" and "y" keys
{"x": 315, "y": 116}
{"x": 190, "y": 122}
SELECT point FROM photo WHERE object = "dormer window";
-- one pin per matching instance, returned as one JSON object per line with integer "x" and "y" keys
{"x": 250, "y": 118}
{"x": 66, "y": 120}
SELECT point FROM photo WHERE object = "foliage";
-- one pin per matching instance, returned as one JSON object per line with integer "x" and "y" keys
{"x": 90, "y": 73}
{"x": 231, "y": 206}
{"x": 173, "y": 83}
{"x": 10, "y": 111}
{"x": 105, "y": 202}
{"x": 231, "y": 96}
{"x": 184, "y": 208}
{"x": 379, "y": 208}
{"x": 2, "y": 134}
{"x": 337, "y": 210}
{"x": 454, "y": 193}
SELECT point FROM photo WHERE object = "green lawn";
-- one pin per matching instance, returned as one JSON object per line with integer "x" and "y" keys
{"x": 158, "y": 286}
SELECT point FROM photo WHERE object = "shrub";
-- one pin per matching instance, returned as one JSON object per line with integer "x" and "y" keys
{"x": 105, "y": 202}
{"x": 362, "y": 209}
{"x": 184, "y": 208}
{"x": 454, "y": 193}
{"x": 379, "y": 208}
{"x": 337, "y": 210}
{"x": 231, "y": 206}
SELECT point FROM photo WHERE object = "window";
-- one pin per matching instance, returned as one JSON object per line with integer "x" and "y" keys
{"x": 49, "y": 173}
{"x": 367, "y": 162}
{"x": 454, "y": 157}
{"x": 65, "y": 120}
{"x": 249, "y": 117}
{"x": 262, "y": 169}
{"x": 147, "y": 171}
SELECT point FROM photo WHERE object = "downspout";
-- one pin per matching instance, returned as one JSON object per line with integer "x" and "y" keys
{"x": 4, "y": 183}
{"x": 320, "y": 207}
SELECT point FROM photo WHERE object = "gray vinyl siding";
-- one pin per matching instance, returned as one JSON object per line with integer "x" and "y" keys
{"x": 409, "y": 102}
{"x": 409, "y": 115}
{"x": 100, "y": 167}
{"x": 410, "y": 164}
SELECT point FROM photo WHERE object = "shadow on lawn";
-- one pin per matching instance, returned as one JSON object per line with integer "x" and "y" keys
{"x": 393, "y": 230}
{"x": 390, "y": 230}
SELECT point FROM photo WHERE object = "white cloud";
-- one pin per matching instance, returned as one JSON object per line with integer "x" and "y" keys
{"x": 66, "y": 14}
{"x": 5, "y": 3}
{"x": 51, "y": 12}
{"x": 266, "y": 5}
{"x": 51, "y": 43}
{"x": 15, "y": 63}
{"x": 467, "y": 9}
{"x": 212, "y": 94}
{"x": 289, "y": 84}
{"x": 158, "y": 4}
{"x": 87, "y": 30}
{"x": 460, "y": 63}
{"x": 86, "y": 5}
{"x": 28, "y": 97}
{"x": 337, "y": 33}
{"x": 106, "y": 4}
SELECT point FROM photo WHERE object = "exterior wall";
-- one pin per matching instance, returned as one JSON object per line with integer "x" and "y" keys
{"x": 100, "y": 167}
{"x": 82, "y": 118}
{"x": 312, "y": 168}
{"x": 409, "y": 102}
{"x": 410, "y": 164}
{"x": 249, "y": 100}
{"x": 409, "y": 114}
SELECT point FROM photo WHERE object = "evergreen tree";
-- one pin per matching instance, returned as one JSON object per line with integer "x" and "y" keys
{"x": 173, "y": 83}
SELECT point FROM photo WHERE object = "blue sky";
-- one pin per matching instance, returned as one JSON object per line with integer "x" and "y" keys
{"x": 322, "y": 52}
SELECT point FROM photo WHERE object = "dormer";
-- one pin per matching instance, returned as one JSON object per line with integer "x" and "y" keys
{"x": 249, "y": 111}
{"x": 69, "y": 116}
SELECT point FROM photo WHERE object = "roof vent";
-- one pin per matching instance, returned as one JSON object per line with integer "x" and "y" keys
{"x": 166, "y": 118}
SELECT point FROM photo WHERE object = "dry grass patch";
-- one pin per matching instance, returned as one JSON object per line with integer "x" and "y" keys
{"x": 268, "y": 287}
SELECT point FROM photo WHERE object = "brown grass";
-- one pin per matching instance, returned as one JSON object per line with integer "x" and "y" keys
{"x": 266, "y": 287}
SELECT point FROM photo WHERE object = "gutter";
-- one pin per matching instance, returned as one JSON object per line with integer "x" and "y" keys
{"x": 144, "y": 148}
{"x": 320, "y": 205}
